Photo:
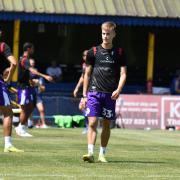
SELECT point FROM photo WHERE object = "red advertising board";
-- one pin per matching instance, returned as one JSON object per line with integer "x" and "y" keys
{"x": 148, "y": 111}
{"x": 170, "y": 111}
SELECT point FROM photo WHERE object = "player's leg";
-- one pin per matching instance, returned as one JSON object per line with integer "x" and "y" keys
{"x": 40, "y": 107}
{"x": 93, "y": 112}
{"x": 105, "y": 135}
{"x": 85, "y": 130}
{"x": 26, "y": 111}
{"x": 27, "y": 100}
{"x": 7, "y": 121}
{"x": 91, "y": 139}
{"x": 92, "y": 134}
{"x": 7, "y": 128}
{"x": 6, "y": 110}
{"x": 108, "y": 114}
{"x": 30, "y": 122}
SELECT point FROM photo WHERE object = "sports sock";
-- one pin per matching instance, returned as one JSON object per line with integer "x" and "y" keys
{"x": 90, "y": 149}
{"x": 22, "y": 126}
{"x": 102, "y": 150}
{"x": 30, "y": 122}
{"x": 7, "y": 141}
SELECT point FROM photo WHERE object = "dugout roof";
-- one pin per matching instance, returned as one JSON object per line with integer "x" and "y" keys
{"x": 123, "y": 12}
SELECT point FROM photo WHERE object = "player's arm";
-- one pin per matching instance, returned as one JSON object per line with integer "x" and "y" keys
{"x": 122, "y": 78}
{"x": 79, "y": 84}
{"x": 12, "y": 68}
{"x": 5, "y": 74}
{"x": 86, "y": 79}
{"x": 13, "y": 63}
{"x": 36, "y": 72}
{"x": 122, "y": 81}
{"x": 90, "y": 61}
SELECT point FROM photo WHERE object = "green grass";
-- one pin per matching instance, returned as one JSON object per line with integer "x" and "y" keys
{"x": 56, "y": 153}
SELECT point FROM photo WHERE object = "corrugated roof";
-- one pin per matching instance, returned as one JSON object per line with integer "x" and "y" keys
{"x": 132, "y": 8}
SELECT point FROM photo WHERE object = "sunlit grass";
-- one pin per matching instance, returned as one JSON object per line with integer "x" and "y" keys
{"x": 56, "y": 153}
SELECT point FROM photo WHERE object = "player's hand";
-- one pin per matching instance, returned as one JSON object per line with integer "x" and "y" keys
{"x": 83, "y": 102}
{"x": 75, "y": 92}
{"x": 49, "y": 78}
{"x": 115, "y": 95}
{"x": 6, "y": 80}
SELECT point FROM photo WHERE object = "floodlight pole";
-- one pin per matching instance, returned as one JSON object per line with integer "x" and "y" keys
{"x": 16, "y": 46}
{"x": 150, "y": 62}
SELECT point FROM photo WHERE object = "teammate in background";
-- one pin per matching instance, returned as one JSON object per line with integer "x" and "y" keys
{"x": 26, "y": 91}
{"x": 175, "y": 84}
{"x": 77, "y": 89}
{"x": 5, "y": 106}
{"x": 39, "y": 88}
{"x": 104, "y": 79}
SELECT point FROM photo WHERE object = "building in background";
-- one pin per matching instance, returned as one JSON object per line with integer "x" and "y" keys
{"x": 62, "y": 29}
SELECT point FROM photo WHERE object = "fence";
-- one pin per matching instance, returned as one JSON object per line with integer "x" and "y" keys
{"x": 58, "y": 105}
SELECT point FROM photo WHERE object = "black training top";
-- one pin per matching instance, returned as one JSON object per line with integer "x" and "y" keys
{"x": 23, "y": 72}
{"x": 106, "y": 65}
{"x": 5, "y": 52}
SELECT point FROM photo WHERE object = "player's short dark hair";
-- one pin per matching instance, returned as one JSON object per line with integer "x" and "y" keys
{"x": 27, "y": 45}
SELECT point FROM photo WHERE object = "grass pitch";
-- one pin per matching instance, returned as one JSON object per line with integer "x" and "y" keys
{"x": 56, "y": 153}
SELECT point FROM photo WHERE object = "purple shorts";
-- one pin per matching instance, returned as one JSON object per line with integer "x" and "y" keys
{"x": 4, "y": 95}
{"x": 100, "y": 104}
{"x": 26, "y": 95}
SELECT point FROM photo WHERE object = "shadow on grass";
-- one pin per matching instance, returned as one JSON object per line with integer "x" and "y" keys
{"x": 140, "y": 162}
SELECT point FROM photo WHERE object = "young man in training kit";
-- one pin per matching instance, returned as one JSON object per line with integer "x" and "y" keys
{"x": 5, "y": 104}
{"x": 104, "y": 79}
{"x": 26, "y": 90}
